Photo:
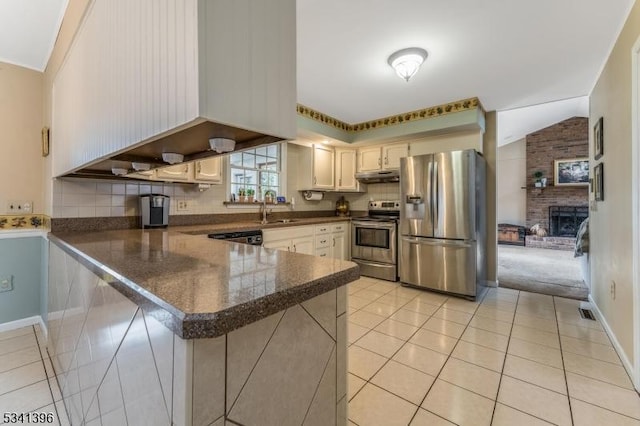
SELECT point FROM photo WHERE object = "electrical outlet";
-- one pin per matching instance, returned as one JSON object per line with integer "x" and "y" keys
{"x": 19, "y": 207}
{"x": 6, "y": 283}
{"x": 183, "y": 205}
{"x": 613, "y": 290}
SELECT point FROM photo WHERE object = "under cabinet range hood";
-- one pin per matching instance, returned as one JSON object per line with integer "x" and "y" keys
{"x": 379, "y": 176}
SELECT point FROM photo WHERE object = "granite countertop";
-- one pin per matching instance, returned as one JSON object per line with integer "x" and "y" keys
{"x": 199, "y": 287}
{"x": 255, "y": 224}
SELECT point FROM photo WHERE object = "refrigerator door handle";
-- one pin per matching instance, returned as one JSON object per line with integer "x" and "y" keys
{"x": 436, "y": 242}
{"x": 436, "y": 196}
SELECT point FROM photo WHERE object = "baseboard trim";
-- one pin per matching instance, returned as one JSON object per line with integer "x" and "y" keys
{"x": 24, "y": 322}
{"x": 623, "y": 357}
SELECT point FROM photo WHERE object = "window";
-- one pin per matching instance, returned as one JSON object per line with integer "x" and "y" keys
{"x": 257, "y": 169}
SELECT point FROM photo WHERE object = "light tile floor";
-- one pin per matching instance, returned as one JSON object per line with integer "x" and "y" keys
{"x": 421, "y": 358}
{"x": 513, "y": 358}
{"x": 27, "y": 382}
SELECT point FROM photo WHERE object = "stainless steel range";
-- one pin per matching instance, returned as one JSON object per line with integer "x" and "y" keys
{"x": 374, "y": 240}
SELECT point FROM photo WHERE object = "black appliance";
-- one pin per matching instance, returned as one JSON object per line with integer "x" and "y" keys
{"x": 253, "y": 237}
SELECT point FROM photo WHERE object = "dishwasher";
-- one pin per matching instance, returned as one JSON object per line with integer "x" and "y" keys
{"x": 253, "y": 237}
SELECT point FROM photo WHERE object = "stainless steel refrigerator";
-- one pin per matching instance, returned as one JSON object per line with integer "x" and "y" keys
{"x": 442, "y": 222}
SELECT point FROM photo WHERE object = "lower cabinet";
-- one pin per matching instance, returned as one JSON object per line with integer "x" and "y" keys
{"x": 324, "y": 240}
{"x": 296, "y": 239}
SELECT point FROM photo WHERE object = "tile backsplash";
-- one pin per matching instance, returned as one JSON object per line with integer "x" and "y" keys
{"x": 101, "y": 198}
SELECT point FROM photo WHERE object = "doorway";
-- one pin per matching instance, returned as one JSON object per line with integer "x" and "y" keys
{"x": 538, "y": 220}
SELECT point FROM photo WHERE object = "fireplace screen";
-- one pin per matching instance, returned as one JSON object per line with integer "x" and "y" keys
{"x": 565, "y": 220}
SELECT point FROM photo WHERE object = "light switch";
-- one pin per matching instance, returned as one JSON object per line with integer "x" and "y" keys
{"x": 6, "y": 283}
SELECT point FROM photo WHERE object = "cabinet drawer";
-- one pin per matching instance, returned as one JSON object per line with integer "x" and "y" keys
{"x": 323, "y": 240}
{"x": 288, "y": 232}
{"x": 339, "y": 227}
{"x": 323, "y": 229}
{"x": 323, "y": 252}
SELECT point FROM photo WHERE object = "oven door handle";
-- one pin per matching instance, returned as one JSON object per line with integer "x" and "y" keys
{"x": 375, "y": 225}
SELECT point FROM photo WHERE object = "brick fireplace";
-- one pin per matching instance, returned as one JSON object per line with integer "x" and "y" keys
{"x": 564, "y": 221}
{"x": 568, "y": 204}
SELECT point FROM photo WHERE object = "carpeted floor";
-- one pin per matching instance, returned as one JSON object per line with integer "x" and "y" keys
{"x": 546, "y": 271}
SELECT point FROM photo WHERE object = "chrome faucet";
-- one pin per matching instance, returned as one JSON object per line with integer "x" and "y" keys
{"x": 264, "y": 211}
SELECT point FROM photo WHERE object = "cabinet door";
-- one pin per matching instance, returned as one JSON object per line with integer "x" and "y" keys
{"x": 323, "y": 167}
{"x": 209, "y": 170}
{"x": 179, "y": 172}
{"x": 303, "y": 245}
{"x": 278, "y": 245}
{"x": 346, "y": 170}
{"x": 147, "y": 175}
{"x": 370, "y": 159}
{"x": 339, "y": 246}
{"x": 392, "y": 154}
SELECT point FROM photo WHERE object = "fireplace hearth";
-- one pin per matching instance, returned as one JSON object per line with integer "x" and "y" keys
{"x": 565, "y": 220}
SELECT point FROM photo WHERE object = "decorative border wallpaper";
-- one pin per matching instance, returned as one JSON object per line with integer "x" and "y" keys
{"x": 28, "y": 221}
{"x": 435, "y": 111}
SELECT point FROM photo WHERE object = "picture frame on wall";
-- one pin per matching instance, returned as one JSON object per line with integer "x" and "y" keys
{"x": 598, "y": 181}
{"x": 598, "y": 139}
{"x": 571, "y": 172}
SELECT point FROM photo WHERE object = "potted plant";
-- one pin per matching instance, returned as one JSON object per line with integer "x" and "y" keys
{"x": 539, "y": 179}
{"x": 250, "y": 194}
{"x": 242, "y": 195}
{"x": 269, "y": 196}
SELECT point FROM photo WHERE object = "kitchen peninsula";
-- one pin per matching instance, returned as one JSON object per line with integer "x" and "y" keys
{"x": 171, "y": 328}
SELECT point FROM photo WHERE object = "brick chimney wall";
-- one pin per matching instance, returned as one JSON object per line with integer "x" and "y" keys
{"x": 565, "y": 140}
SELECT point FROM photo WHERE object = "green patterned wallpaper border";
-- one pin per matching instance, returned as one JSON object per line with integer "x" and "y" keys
{"x": 24, "y": 221}
{"x": 421, "y": 114}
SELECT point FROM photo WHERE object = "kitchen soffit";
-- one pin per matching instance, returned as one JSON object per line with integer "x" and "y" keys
{"x": 192, "y": 141}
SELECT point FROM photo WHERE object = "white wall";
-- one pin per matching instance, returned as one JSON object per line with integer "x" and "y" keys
{"x": 447, "y": 142}
{"x": 611, "y": 222}
{"x": 511, "y": 171}
{"x": 20, "y": 136}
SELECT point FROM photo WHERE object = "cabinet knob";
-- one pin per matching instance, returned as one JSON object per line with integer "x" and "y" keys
{"x": 294, "y": 248}
{"x": 315, "y": 180}
{"x": 379, "y": 162}
{"x": 340, "y": 182}
{"x": 386, "y": 160}
{"x": 334, "y": 242}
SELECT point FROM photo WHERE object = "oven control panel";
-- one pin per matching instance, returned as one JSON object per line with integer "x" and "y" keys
{"x": 384, "y": 205}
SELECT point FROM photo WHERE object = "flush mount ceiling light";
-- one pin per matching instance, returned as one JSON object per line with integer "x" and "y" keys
{"x": 119, "y": 171}
{"x": 172, "y": 157}
{"x": 220, "y": 145}
{"x": 407, "y": 62}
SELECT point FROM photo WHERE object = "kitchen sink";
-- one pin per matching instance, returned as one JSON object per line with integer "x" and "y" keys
{"x": 279, "y": 221}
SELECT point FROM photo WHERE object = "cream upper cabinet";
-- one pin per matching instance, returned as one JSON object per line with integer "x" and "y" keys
{"x": 208, "y": 170}
{"x": 177, "y": 173}
{"x": 370, "y": 159}
{"x": 384, "y": 157}
{"x": 119, "y": 87}
{"x": 316, "y": 168}
{"x": 323, "y": 167}
{"x": 345, "y": 170}
{"x": 391, "y": 155}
